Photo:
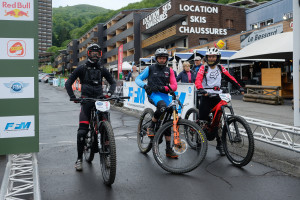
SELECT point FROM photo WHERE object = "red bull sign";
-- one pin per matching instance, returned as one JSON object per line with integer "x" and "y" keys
{"x": 16, "y": 48}
{"x": 16, "y": 10}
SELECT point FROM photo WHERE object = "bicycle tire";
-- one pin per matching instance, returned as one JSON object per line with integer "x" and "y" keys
{"x": 143, "y": 141}
{"x": 190, "y": 133}
{"x": 245, "y": 143}
{"x": 88, "y": 147}
{"x": 108, "y": 156}
{"x": 196, "y": 155}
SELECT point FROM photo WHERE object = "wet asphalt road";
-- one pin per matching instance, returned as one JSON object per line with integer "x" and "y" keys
{"x": 139, "y": 176}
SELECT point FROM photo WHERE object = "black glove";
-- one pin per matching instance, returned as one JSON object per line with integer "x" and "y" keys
{"x": 161, "y": 88}
{"x": 202, "y": 91}
{"x": 73, "y": 97}
{"x": 148, "y": 89}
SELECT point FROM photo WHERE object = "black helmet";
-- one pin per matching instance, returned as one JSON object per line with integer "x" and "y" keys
{"x": 162, "y": 52}
{"x": 94, "y": 48}
{"x": 213, "y": 51}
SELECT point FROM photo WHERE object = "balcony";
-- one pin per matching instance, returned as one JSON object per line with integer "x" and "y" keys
{"x": 122, "y": 36}
{"x": 93, "y": 36}
{"x": 159, "y": 37}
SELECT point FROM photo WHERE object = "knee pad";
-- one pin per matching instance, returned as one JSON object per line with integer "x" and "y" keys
{"x": 81, "y": 134}
{"x": 161, "y": 108}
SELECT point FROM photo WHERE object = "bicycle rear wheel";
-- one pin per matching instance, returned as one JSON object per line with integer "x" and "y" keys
{"x": 88, "y": 146}
{"x": 191, "y": 134}
{"x": 188, "y": 158}
{"x": 240, "y": 149}
{"x": 144, "y": 142}
{"x": 108, "y": 160}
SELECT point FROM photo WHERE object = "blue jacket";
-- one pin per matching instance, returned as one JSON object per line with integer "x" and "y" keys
{"x": 184, "y": 77}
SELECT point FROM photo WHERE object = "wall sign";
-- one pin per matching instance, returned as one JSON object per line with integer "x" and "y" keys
{"x": 16, "y": 48}
{"x": 16, "y": 87}
{"x": 254, "y": 36}
{"x": 17, "y": 10}
{"x": 16, "y": 126}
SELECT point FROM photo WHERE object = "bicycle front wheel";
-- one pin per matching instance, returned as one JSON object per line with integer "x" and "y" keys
{"x": 188, "y": 156}
{"x": 238, "y": 142}
{"x": 108, "y": 160}
{"x": 88, "y": 146}
{"x": 144, "y": 142}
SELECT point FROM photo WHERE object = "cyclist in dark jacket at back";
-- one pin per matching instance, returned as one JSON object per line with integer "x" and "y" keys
{"x": 187, "y": 75}
{"x": 91, "y": 75}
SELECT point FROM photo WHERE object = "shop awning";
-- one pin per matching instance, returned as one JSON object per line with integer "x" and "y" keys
{"x": 274, "y": 47}
{"x": 225, "y": 54}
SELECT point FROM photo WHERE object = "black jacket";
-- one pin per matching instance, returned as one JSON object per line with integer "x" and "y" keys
{"x": 91, "y": 80}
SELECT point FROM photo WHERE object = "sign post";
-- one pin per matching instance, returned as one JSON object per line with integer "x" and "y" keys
{"x": 19, "y": 116}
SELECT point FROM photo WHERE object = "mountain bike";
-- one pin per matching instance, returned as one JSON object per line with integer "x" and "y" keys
{"x": 100, "y": 138}
{"x": 236, "y": 134}
{"x": 170, "y": 124}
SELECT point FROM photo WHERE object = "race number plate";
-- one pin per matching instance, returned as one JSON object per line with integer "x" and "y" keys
{"x": 102, "y": 105}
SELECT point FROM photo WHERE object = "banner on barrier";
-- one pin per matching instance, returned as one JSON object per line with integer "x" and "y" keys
{"x": 139, "y": 100}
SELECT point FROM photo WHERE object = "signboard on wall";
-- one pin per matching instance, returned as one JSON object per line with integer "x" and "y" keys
{"x": 139, "y": 100}
{"x": 254, "y": 36}
{"x": 19, "y": 116}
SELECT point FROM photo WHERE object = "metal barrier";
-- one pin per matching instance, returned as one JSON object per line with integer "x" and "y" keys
{"x": 21, "y": 180}
{"x": 280, "y": 135}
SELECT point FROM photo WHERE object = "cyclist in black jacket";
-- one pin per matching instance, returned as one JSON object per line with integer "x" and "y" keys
{"x": 90, "y": 75}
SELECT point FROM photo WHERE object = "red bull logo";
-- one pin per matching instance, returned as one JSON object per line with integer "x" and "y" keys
{"x": 16, "y": 5}
{"x": 16, "y": 48}
{"x": 16, "y": 13}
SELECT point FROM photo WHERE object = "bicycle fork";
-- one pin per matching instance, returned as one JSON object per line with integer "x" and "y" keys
{"x": 177, "y": 141}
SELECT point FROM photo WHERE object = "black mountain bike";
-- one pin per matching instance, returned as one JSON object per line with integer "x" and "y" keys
{"x": 236, "y": 134}
{"x": 100, "y": 138}
{"x": 190, "y": 155}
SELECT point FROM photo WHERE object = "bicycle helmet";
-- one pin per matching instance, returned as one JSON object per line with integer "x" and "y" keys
{"x": 162, "y": 52}
{"x": 213, "y": 51}
{"x": 94, "y": 48}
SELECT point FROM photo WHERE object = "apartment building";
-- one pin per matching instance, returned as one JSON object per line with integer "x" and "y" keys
{"x": 123, "y": 29}
{"x": 45, "y": 25}
{"x": 72, "y": 57}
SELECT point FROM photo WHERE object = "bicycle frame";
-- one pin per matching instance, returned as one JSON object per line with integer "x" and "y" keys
{"x": 219, "y": 111}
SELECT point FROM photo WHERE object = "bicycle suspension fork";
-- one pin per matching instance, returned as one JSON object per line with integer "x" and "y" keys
{"x": 177, "y": 141}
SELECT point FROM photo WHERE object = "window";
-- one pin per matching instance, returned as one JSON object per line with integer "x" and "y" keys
{"x": 261, "y": 24}
{"x": 270, "y": 21}
{"x": 229, "y": 23}
{"x": 202, "y": 41}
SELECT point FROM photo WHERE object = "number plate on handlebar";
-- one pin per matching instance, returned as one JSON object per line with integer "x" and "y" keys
{"x": 225, "y": 97}
{"x": 102, "y": 105}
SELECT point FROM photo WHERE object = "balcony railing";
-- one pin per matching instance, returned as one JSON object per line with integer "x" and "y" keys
{"x": 160, "y": 36}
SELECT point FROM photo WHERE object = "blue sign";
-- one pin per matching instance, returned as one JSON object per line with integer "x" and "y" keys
{"x": 140, "y": 95}
{"x": 16, "y": 87}
{"x": 17, "y": 127}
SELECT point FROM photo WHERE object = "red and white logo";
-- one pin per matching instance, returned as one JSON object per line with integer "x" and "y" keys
{"x": 16, "y": 48}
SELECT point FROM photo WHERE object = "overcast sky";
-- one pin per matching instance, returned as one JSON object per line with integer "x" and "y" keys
{"x": 108, "y": 4}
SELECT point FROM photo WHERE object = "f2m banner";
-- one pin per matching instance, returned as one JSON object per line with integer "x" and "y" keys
{"x": 139, "y": 100}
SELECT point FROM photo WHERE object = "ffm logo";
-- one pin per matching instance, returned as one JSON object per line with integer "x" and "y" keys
{"x": 16, "y": 48}
{"x": 17, "y": 127}
{"x": 16, "y": 87}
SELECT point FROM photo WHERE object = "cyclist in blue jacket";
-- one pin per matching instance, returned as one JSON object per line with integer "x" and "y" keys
{"x": 159, "y": 76}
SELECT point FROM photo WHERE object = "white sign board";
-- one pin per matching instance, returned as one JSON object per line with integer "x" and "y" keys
{"x": 139, "y": 100}
{"x": 17, "y": 126}
{"x": 17, "y": 48}
{"x": 16, "y": 87}
{"x": 17, "y": 10}
{"x": 260, "y": 34}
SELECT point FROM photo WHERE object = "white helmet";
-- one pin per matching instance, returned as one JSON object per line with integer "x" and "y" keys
{"x": 213, "y": 51}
